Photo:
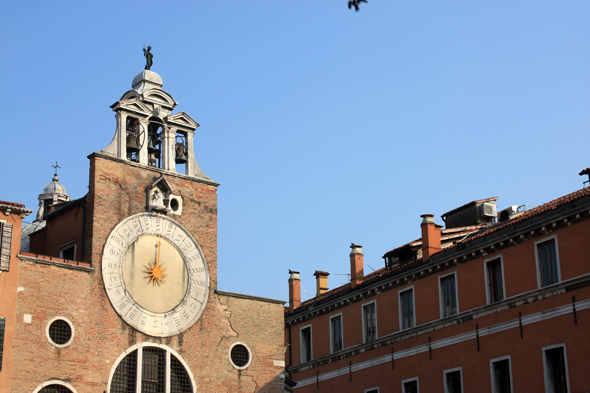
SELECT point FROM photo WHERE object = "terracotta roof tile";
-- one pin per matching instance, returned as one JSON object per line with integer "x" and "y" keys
{"x": 12, "y": 204}
{"x": 366, "y": 280}
{"x": 325, "y": 295}
{"x": 554, "y": 204}
{"x": 374, "y": 276}
{"x": 445, "y": 235}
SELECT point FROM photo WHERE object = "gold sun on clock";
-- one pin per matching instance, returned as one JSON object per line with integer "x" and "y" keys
{"x": 154, "y": 271}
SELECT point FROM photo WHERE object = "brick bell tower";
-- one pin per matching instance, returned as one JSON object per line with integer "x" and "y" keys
{"x": 152, "y": 235}
{"x": 139, "y": 310}
{"x": 147, "y": 182}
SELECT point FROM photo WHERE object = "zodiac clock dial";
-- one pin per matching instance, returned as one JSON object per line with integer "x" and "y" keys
{"x": 155, "y": 274}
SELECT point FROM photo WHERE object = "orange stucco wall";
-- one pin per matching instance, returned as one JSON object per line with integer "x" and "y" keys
{"x": 8, "y": 289}
{"x": 520, "y": 276}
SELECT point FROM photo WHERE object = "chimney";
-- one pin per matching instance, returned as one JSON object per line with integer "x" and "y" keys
{"x": 294, "y": 290}
{"x": 356, "y": 265}
{"x": 321, "y": 280}
{"x": 430, "y": 236}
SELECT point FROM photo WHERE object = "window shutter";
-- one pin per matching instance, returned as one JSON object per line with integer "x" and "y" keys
{"x": 2, "y": 323}
{"x": 5, "y": 241}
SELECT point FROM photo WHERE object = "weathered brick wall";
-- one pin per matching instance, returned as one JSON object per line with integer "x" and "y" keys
{"x": 258, "y": 325}
{"x": 117, "y": 190}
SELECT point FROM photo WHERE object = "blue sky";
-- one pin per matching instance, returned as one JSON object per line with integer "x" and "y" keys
{"x": 323, "y": 126}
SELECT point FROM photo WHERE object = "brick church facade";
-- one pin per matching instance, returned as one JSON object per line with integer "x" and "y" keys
{"x": 117, "y": 291}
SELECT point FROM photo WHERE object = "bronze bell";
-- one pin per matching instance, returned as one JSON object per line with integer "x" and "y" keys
{"x": 151, "y": 148}
{"x": 181, "y": 153}
{"x": 132, "y": 143}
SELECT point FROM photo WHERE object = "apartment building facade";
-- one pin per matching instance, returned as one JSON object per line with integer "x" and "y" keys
{"x": 499, "y": 307}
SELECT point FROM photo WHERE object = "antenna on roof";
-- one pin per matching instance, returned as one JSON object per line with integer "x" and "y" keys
{"x": 344, "y": 274}
{"x": 307, "y": 292}
{"x": 586, "y": 172}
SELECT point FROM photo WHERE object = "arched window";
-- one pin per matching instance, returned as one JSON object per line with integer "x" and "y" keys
{"x": 55, "y": 386}
{"x": 151, "y": 368}
{"x": 155, "y": 142}
{"x": 55, "y": 389}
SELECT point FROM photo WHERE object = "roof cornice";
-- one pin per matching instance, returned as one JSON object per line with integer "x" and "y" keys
{"x": 546, "y": 222}
{"x": 9, "y": 207}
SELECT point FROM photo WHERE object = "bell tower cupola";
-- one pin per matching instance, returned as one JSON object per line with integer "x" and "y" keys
{"x": 148, "y": 133}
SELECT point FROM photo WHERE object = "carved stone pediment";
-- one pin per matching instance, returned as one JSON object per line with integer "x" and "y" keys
{"x": 160, "y": 97}
{"x": 182, "y": 120}
{"x": 133, "y": 105}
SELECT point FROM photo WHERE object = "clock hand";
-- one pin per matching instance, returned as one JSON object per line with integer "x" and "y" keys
{"x": 159, "y": 247}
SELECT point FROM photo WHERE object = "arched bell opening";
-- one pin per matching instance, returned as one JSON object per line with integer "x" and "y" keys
{"x": 154, "y": 147}
{"x": 134, "y": 138}
{"x": 181, "y": 152}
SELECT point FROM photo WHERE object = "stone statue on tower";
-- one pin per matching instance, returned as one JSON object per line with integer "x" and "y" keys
{"x": 148, "y": 57}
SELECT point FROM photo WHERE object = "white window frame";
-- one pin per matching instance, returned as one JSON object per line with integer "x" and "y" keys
{"x": 301, "y": 343}
{"x": 364, "y": 323}
{"x": 441, "y": 294}
{"x": 338, "y": 315}
{"x": 538, "y": 260}
{"x": 371, "y": 390}
{"x": 249, "y": 355}
{"x": 55, "y": 382}
{"x": 493, "y": 380}
{"x": 399, "y": 303}
{"x": 548, "y": 388}
{"x": 448, "y": 371}
{"x": 404, "y": 381}
{"x": 487, "y": 277}
{"x": 66, "y": 320}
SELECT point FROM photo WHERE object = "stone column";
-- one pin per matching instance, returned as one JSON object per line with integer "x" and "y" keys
{"x": 191, "y": 163}
{"x": 121, "y": 135}
{"x": 168, "y": 152}
{"x": 143, "y": 153}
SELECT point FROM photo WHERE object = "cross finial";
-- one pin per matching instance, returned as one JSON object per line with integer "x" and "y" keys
{"x": 55, "y": 178}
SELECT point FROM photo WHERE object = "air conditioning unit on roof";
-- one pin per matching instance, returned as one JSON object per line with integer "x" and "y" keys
{"x": 488, "y": 210}
{"x": 508, "y": 213}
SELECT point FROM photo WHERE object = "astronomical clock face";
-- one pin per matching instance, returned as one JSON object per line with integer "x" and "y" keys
{"x": 155, "y": 274}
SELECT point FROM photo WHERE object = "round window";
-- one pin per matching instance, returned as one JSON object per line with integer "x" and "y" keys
{"x": 240, "y": 356}
{"x": 60, "y": 332}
